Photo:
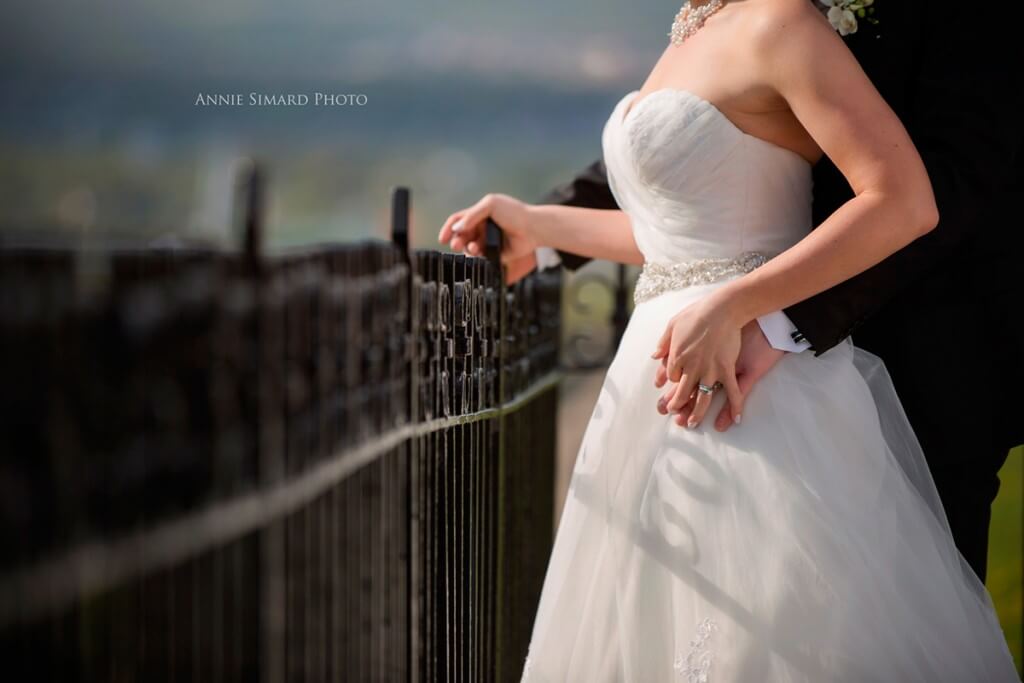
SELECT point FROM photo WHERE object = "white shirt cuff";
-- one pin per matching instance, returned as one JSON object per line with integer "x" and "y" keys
{"x": 547, "y": 258}
{"x": 778, "y": 329}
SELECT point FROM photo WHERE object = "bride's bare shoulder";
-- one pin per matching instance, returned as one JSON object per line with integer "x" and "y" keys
{"x": 777, "y": 32}
{"x": 769, "y": 21}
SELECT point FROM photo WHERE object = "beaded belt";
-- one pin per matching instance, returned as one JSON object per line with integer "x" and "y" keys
{"x": 657, "y": 278}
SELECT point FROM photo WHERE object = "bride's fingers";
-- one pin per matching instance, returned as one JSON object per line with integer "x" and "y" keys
{"x": 684, "y": 389}
{"x": 667, "y": 400}
{"x": 467, "y": 227}
{"x": 475, "y": 246}
{"x": 446, "y": 232}
{"x": 677, "y": 364}
{"x": 684, "y": 411}
{"x": 457, "y": 242}
{"x": 463, "y": 231}
{"x": 664, "y": 343}
{"x": 660, "y": 376}
{"x": 701, "y": 405}
{"x": 664, "y": 400}
{"x": 684, "y": 414}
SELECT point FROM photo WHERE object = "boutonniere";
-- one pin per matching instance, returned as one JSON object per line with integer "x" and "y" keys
{"x": 845, "y": 15}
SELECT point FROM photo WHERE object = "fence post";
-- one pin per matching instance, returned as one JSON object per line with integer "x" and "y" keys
{"x": 493, "y": 244}
{"x": 249, "y": 205}
{"x": 400, "y": 237}
{"x": 400, "y": 219}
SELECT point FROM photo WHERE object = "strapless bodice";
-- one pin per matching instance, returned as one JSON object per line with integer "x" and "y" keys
{"x": 695, "y": 186}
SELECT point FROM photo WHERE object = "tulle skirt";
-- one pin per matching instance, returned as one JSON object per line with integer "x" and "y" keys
{"x": 806, "y": 544}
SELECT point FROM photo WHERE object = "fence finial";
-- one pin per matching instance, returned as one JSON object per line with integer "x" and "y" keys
{"x": 493, "y": 243}
{"x": 400, "y": 218}
{"x": 249, "y": 206}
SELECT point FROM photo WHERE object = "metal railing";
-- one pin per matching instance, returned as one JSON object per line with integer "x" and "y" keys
{"x": 329, "y": 464}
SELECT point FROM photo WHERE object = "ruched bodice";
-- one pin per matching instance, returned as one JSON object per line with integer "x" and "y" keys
{"x": 696, "y": 186}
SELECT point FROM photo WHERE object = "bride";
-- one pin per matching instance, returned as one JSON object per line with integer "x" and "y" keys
{"x": 806, "y": 543}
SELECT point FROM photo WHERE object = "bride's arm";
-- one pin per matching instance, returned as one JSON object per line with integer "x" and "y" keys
{"x": 806, "y": 62}
{"x": 595, "y": 233}
{"x": 893, "y": 205}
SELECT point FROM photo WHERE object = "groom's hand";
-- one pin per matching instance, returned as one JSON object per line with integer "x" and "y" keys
{"x": 756, "y": 358}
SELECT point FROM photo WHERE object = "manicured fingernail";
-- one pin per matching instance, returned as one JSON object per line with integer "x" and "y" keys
{"x": 692, "y": 422}
{"x": 738, "y": 418}
{"x": 459, "y": 225}
{"x": 662, "y": 405}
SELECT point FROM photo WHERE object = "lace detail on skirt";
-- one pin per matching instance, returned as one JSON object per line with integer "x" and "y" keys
{"x": 695, "y": 665}
{"x": 657, "y": 278}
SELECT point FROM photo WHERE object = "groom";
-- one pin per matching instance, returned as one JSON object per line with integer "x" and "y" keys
{"x": 945, "y": 313}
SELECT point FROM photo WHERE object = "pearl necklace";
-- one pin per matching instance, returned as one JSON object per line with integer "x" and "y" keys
{"x": 690, "y": 19}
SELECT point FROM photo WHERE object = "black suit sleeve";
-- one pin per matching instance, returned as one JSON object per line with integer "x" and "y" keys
{"x": 589, "y": 189}
{"x": 962, "y": 113}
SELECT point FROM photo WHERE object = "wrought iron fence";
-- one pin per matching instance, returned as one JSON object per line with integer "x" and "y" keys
{"x": 329, "y": 464}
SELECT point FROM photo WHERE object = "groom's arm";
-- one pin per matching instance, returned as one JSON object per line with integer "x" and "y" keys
{"x": 964, "y": 113}
{"x": 589, "y": 189}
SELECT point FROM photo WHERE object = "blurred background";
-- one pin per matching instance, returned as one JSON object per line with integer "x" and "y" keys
{"x": 101, "y": 136}
{"x": 100, "y": 130}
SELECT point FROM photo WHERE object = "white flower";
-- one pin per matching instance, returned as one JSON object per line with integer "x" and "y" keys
{"x": 842, "y": 19}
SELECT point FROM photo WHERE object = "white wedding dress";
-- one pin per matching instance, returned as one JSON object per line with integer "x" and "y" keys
{"x": 807, "y": 543}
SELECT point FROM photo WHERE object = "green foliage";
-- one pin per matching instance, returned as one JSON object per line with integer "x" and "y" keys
{"x": 1006, "y": 564}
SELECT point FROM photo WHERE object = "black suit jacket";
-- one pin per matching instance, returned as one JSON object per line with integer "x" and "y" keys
{"x": 950, "y": 71}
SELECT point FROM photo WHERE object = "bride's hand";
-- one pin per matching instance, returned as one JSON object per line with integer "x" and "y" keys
{"x": 700, "y": 345}
{"x": 465, "y": 230}
{"x": 757, "y": 358}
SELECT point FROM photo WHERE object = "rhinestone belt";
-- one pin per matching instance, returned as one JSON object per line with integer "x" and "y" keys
{"x": 657, "y": 278}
